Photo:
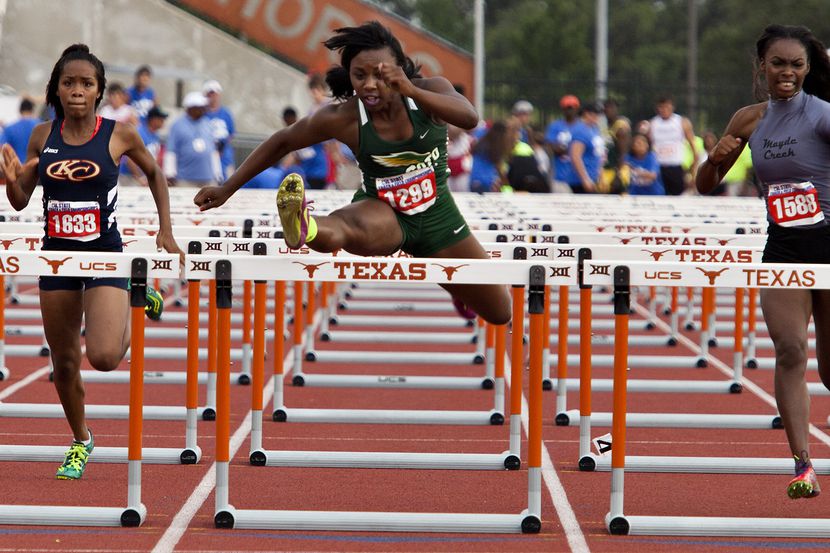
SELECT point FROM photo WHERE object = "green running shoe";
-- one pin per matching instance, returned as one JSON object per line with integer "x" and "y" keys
{"x": 155, "y": 304}
{"x": 75, "y": 462}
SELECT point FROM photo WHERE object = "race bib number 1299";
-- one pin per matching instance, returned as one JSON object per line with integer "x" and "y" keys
{"x": 410, "y": 193}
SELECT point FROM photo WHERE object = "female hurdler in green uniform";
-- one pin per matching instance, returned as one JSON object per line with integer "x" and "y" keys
{"x": 396, "y": 123}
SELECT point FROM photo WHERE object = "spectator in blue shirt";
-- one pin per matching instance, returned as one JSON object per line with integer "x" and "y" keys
{"x": 644, "y": 168}
{"x": 149, "y": 133}
{"x": 141, "y": 95}
{"x": 558, "y": 139}
{"x": 191, "y": 158}
{"x": 221, "y": 124}
{"x": 17, "y": 134}
{"x": 587, "y": 151}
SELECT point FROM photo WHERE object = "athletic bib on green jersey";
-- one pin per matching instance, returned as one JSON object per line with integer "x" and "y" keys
{"x": 411, "y": 174}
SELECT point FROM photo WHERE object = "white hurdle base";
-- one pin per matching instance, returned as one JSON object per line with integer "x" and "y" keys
{"x": 388, "y": 416}
{"x": 119, "y": 412}
{"x": 150, "y": 377}
{"x": 648, "y": 385}
{"x": 180, "y": 353}
{"x": 676, "y": 420}
{"x": 719, "y": 526}
{"x": 386, "y": 460}
{"x": 376, "y": 521}
{"x": 640, "y": 361}
{"x": 702, "y": 465}
{"x": 393, "y": 381}
{"x": 406, "y": 357}
{"x": 418, "y": 322}
{"x": 55, "y": 454}
{"x": 48, "y": 515}
{"x": 352, "y": 337}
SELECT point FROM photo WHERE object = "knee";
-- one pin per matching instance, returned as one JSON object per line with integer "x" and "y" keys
{"x": 500, "y": 312}
{"x": 791, "y": 354}
{"x": 104, "y": 361}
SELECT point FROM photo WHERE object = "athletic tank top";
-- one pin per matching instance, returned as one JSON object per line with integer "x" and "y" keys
{"x": 79, "y": 191}
{"x": 667, "y": 139}
{"x": 409, "y": 174}
{"x": 791, "y": 157}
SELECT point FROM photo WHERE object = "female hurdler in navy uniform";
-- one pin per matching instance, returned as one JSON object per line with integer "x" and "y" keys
{"x": 395, "y": 122}
{"x": 76, "y": 158}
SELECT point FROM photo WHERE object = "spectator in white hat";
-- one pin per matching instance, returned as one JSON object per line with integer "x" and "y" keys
{"x": 522, "y": 110}
{"x": 221, "y": 124}
{"x": 191, "y": 158}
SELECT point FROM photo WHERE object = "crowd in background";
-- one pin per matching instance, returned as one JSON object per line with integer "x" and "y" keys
{"x": 591, "y": 148}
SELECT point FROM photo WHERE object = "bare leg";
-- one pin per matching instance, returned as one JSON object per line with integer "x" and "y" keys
{"x": 61, "y": 311}
{"x": 787, "y": 313}
{"x": 821, "y": 318}
{"x": 107, "y": 326}
{"x": 490, "y": 301}
{"x": 367, "y": 227}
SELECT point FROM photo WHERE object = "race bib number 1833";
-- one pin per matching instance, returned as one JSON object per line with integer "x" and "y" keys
{"x": 410, "y": 193}
{"x": 794, "y": 205}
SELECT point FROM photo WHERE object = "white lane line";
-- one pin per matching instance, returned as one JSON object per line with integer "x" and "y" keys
{"x": 722, "y": 367}
{"x": 24, "y": 382}
{"x": 179, "y": 524}
{"x": 567, "y": 517}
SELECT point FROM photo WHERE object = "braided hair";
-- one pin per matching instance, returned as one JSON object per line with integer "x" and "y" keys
{"x": 350, "y": 41}
{"x": 817, "y": 81}
{"x": 72, "y": 53}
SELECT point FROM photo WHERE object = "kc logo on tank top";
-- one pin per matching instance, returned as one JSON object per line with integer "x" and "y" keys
{"x": 75, "y": 170}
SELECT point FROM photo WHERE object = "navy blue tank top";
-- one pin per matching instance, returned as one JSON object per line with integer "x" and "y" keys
{"x": 80, "y": 191}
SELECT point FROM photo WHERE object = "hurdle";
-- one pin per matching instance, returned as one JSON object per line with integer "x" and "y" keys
{"x": 476, "y": 271}
{"x": 617, "y": 522}
{"x": 506, "y": 460}
{"x": 85, "y": 264}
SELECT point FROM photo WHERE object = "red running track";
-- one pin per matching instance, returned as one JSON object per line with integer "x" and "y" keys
{"x": 180, "y": 499}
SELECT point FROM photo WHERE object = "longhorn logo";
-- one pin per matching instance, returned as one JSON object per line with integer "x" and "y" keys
{"x": 712, "y": 275}
{"x": 724, "y": 242}
{"x": 310, "y": 268}
{"x": 656, "y": 255}
{"x": 8, "y": 243}
{"x": 126, "y": 243}
{"x": 55, "y": 263}
{"x": 624, "y": 241}
{"x": 451, "y": 270}
{"x": 686, "y": 230}
{"x": 600, "y": 229}
{"x": 196, "y": 222}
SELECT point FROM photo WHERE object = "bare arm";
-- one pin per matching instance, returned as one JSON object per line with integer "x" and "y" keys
{"x": 722, "y": 157}
{"x": 435, "y": 95}
{"x": 136, "y": 151}
{"x": 577, "y": 150}
{"x": 21, "y": 179}
{"x": 331, "y": 121}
